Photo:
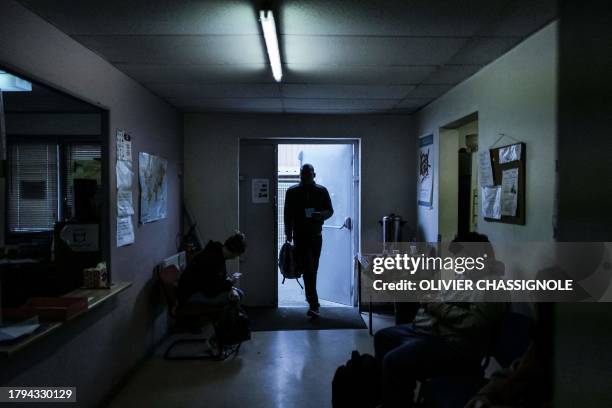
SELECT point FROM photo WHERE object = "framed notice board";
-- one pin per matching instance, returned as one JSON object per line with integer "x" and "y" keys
{"x": 511, "y": 157}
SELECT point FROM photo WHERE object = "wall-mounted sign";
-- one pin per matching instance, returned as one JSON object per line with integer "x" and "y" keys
{"x": 260, "y": 190}
{"x": 81, "y": 237}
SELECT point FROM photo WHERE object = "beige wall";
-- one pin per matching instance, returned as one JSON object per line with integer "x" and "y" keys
{"x": 515, "y": 95}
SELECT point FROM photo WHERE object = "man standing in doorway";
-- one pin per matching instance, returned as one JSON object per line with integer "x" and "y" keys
{"x": 307, "y": 205}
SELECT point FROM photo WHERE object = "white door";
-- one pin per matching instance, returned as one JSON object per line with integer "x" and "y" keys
{"x": 334, "y": 168}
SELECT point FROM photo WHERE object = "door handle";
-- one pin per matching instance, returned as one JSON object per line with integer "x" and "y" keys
{"x": 348, "y": 224}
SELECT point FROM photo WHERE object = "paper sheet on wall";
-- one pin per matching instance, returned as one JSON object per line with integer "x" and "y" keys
{"x": 125, "y": 231}
{"x": 124, "y": 146}
{"x": 509, "y": 194}
{"x": 510, "y": 153}
{"x": 491, "y": 202}
{"x": 260, "y": 190}
{"x": 485, "y": 172}
{"x": 125, "y": 205}
{"x": 124, "y": 175}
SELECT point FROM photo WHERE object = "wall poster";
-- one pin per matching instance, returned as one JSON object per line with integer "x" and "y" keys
{"x": 153, "y": 187}
{"x": 426, "y": 170}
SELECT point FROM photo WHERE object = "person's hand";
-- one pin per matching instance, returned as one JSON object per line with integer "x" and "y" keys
{"x": 233, "y": 295}
{"x": 288, "y": 238}
{"x": 235, "y": 277}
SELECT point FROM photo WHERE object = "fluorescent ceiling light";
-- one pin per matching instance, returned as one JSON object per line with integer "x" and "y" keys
{"x": 11, "y": 83}
{"x": 269, "y": 30}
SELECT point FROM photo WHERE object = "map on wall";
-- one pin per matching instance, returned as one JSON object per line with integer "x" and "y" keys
{"x": 153, "y": 187}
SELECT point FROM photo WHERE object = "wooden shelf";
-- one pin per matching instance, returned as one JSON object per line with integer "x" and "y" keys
{"x": 95, "y": 297}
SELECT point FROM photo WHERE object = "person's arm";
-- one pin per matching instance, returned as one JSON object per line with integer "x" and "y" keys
{"x": 288, "y": 213}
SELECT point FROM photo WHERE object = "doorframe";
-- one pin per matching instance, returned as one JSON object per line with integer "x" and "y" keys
{"x": 356, "y": 241}
{"x": 450, "y": 126}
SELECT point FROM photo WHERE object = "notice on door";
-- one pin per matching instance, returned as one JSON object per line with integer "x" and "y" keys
{"x": 260, "y": 190}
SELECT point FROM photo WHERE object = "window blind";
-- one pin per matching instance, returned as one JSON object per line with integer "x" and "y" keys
{"x": 76, "y": 152}
{"x": 32, "y": 190}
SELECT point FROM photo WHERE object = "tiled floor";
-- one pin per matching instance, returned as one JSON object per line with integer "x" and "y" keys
{"x": 290, "y": 369}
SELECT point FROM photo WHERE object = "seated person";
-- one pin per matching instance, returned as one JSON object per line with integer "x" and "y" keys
{"x": 444, "y": 339}
{"x": 205, "y": 280}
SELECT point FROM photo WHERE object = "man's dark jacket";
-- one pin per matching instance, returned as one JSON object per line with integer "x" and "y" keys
{"x": 205, "y": 273}
{"x": 297, "y": 199}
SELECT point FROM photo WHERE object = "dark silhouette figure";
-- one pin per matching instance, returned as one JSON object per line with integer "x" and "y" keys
{"x": 307, "y": 206}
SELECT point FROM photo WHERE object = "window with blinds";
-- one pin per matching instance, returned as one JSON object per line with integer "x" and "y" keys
{"x": 37, "y": 170}
{"x": 76, "y": 155}
{"x": 32, "y": 187}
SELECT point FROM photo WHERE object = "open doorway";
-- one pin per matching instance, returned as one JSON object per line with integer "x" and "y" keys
{"x": 335, "y": 168}
{"x": 263, "y": 180}
{"x": 458, "y": 178}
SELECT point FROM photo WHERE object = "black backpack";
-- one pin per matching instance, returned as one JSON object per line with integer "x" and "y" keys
{"x": 287, "y": 264}
{"x": 358, "y": 383}
{"x": 233, "y": 327}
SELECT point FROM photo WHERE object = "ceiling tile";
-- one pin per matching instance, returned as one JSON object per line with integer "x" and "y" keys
{"x": 428, "y": 91}
{"x": 342, "y": 111}
{"x": 345, "y": 91}
{"x": 232, "y": 49}
{"x": 378, "y": 51}
{"x": 373, "y": 104}
{"x": 452, "y": 74}
{"x": 201, "y": 74}
{"x": 228, "y": 103}
{"x": 386, "y": 17}
{"x": 413, "y": 103}
{"x": 481, "y": 51}
{"x": 204, "y": 91}
{"x": 157, "y": 17}
{"x": 404, "y": 111}
{"x": 225, "y": 109}
{"x": 521, "y": 18}
{"x": 356, "y": 75}
{"x": 353, "y": 57}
